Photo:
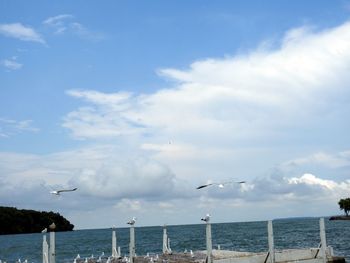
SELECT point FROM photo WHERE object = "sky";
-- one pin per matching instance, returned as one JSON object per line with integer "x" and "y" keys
{"x": 136, "y": 103}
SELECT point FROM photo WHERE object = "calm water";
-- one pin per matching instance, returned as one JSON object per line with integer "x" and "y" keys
{"x": 251, "y": 236}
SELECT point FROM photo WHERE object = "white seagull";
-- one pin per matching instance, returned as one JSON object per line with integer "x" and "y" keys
{"x": 220, "y": 185}
{"x": 58, "y": 192}
{"x": 206, "y": 218}
{"x": 132, "y": 221}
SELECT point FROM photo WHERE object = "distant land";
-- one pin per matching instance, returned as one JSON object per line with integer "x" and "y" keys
{"x": 339, "y": 218}
{"x": 311, "y": 217}
{"x": 21, "y": 221}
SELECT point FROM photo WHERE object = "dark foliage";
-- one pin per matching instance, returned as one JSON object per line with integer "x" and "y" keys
{"x": 19, "y": 221}
{"x": 344, "y": 204}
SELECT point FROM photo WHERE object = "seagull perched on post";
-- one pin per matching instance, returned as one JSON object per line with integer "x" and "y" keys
{"x": 52, "y": 226}
{"x": 220, "y": 185}
{"x": 132, "y": 221}
{"x": 58, "y": 192}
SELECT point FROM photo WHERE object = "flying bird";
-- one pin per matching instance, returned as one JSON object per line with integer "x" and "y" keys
{"x": 206, "y": 218}
{"x": 132, "y": 221}
{"x": 220, "y": 185}
{"x": 58, "y": 192}
{"x": 43, "y": 231}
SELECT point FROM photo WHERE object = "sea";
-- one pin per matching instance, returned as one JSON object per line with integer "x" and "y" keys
{"x": 242, "y": 236}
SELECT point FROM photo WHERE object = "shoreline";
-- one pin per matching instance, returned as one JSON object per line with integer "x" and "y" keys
{"x": 339, "y": 218}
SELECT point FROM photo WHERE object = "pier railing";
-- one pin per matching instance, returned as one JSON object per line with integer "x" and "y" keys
{"x": 322, "y": 254}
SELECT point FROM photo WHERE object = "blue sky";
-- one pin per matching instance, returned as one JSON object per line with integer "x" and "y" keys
{"x": 138, "y": 102}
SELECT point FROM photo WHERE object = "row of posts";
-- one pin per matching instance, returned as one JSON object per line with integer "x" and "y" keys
{"x": 49, "y": 254}
{"x": 271, "y": 253}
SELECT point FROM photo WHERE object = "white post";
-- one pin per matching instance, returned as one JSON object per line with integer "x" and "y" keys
{"x": 132, "y": 243}
{"x": 45, "y": 250}
{"x": 52, "y": 256}
{"x": 115, "y": 253}
{"x": 323, "y": 240}
{"x": 169, "y": 248}
{"x": 271, "y": 241}
{"x": 206, "y": 219}
{"x": 209, "y": 245}
{"x": 165, "y": 240}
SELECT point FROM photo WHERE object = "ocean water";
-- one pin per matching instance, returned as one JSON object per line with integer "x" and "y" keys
{"x": 248, "y": 236}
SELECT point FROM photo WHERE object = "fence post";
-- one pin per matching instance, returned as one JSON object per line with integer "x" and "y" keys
{"x": 45, "y": 250}
{"x": 52, "y": 257}
{"x": 166, "y": 242}
{"x": 271, "y": 241}
{"x": 132, "y": 239}
{"x": 206, "y": 219}
{"x": 323, "y": 240}
{"x": 115, "y": 252}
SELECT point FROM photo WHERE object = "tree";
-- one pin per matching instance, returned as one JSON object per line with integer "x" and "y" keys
{"x": 344, "y": 204}
{"x": 19, "y": 221}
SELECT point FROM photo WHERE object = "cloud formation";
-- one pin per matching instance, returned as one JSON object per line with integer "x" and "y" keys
{"x": 9, "y": 127}
{"x": 267, "y": 117}
{"x": 21, "y": 32}
{"x": 66, "y": 23}
{"x": 11, "y": 64}
{"x": 118, "y": 183}
{"x": 260, "y": 94}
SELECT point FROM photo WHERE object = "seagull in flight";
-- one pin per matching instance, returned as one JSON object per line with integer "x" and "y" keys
{"x": 206, "y": 218}
{"x": 58, "y": 192}
{"x": 132, "y": 221}
{"x": 220, "y": 185}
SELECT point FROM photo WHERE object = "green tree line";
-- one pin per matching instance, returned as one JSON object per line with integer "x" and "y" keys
{"x": 20, "y": 221}
{"x": 344, "y": 204}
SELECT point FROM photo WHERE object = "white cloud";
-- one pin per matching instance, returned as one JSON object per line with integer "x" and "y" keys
{"x": 127, "y": 204}
{"x": 9, "y": 127}
{"x": 126, "y": 183}
{"x": 338, "y": 160}
{"x": 57, "y": 20}
{"x": 304, "y": 187}
{"x": 11, "y": 64}
{"x": 19, "y": 31}
{"x": 66, "y": 23}
{"x": 231, "y": 117}
{"x": 235, "y": 116}
{"x": 261, "y": 94}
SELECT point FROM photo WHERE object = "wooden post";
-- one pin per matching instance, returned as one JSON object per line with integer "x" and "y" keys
{"x": 323, "y": 240}
{"x": 271, "y": 242}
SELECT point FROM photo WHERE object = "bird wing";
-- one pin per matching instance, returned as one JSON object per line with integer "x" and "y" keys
{"x": 202, "y": 186}
{"x": 233, "y": 182}
{"x": 67, "y": 190}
